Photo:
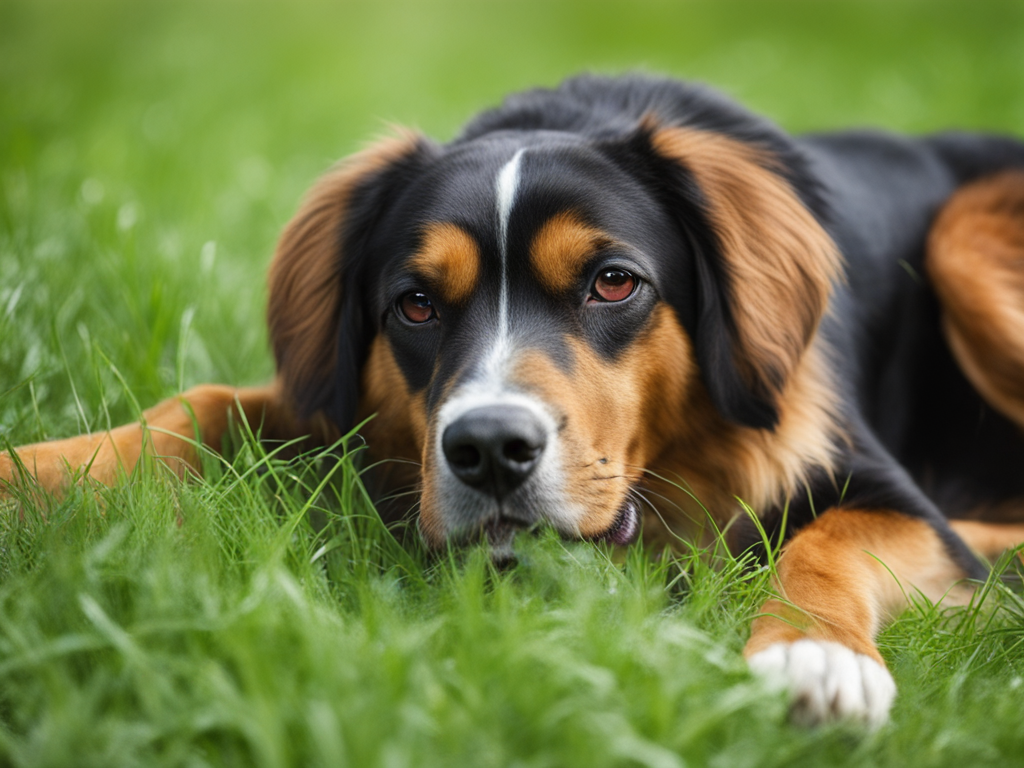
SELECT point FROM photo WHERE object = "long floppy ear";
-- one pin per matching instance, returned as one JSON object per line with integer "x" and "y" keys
{"x": 765, "y": 267}
{"x": 318, "y": 326}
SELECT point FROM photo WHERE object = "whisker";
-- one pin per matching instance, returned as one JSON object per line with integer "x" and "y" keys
{"x": 409, "y": 462}
{"x": 664, "y": 522}
{"x": 400, "y": 494}
{"x": 720, "y": 530}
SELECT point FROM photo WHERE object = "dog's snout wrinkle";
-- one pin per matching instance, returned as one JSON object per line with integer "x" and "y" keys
{"x": 494, "y": 448}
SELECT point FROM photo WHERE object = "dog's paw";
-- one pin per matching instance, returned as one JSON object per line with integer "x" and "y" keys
{"x": 828, "y": 682}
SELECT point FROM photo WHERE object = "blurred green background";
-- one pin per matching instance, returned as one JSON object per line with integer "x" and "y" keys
{"x": 151, "y": 151}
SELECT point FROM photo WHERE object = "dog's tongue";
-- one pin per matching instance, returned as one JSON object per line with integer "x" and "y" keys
{"x": 626, "y": 527}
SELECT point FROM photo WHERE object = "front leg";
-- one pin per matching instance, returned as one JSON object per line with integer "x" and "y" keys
{"x": 841, "y": 579}
{"x": 167, "y": 432}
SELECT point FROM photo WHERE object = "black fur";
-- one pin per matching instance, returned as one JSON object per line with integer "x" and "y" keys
{"x": 921, "y": 438}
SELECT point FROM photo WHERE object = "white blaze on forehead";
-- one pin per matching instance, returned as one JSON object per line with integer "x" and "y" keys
{"x": 505, "y": 192}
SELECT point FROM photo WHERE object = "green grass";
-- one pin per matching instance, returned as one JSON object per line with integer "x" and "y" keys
{"x": 149, "y": 154}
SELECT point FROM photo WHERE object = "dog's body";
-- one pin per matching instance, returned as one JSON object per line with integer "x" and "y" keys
{"x": 623, "y": 286}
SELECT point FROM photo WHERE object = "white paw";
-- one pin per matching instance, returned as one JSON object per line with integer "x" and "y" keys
{"x": 828, "y": 681}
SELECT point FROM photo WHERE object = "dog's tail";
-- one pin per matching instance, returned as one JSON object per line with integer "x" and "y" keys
{"x": 975, "y": 260}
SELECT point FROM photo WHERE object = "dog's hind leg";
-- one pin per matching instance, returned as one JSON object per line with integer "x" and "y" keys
{"x": 975, "y": 261}
{"x": 989, "y": 540}
{"x": 169, "y": 432}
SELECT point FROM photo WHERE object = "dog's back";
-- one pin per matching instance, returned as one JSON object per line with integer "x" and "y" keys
{"x": 892, "y": 317}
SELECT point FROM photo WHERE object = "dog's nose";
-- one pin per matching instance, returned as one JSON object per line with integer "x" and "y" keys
{"x": 494, "y": 448}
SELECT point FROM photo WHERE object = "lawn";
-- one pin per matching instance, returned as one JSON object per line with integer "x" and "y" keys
{"x": 150, "y": 152}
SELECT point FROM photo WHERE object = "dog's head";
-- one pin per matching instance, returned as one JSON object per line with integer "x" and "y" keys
{"x": 534, "y": 314}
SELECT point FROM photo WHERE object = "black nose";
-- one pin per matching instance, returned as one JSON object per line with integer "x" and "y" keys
{"x": 494, "y": 448}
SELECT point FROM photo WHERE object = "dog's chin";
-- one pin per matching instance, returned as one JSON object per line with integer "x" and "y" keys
{"x": 500, "y": 534}
{"x": 499, "y": 530}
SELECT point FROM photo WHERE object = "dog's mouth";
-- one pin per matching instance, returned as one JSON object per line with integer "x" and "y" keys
{"x": 501, "y": 531}
{"x": 626, "y": 526}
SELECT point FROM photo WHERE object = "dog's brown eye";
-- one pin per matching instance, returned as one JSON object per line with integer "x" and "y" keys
{"x": 417, "y": 307}
{"x": 613, "y": 285}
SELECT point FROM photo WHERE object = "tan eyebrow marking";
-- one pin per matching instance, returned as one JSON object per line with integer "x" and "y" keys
{"x": 561, "y": 248}
{"x": 450, "y": 259}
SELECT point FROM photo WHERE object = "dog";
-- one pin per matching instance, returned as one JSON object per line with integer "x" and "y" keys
{"x": 631, "y": 289}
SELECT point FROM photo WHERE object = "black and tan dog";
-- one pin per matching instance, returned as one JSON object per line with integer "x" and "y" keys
{"x": 620, "y": 280}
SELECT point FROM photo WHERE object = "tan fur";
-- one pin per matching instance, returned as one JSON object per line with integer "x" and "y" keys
{"x": 394, "y": 434}
{"x": 449, "y": 260}
{"x": 621, "y": 412}
{"x": 431, "y": 520}
{"x": 975, "y": 260}
{"x": 305, "y": 282}
{"x": 780, "y": 263}
{"x": 431, "y": 524}
{"x": 847, "y": 573}
{"x": 167, "y": 432}
{"x": 399, "y": 428}
{"x": 712, "y": 462}
{"x": 561, "y": 248}
{"x": 989, "y": 539}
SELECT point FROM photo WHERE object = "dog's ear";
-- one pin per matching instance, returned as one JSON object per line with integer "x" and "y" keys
{"x": 319, "y": 329}
{"x": 764, "y": 265}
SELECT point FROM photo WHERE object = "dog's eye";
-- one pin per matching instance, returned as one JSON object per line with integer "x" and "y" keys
{"x": 416, "y": 307}
{"x": 613, "y": 285}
